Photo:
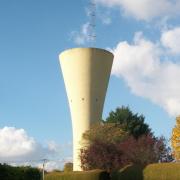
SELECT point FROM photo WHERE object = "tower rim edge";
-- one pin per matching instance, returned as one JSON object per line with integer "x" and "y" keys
{"x": 85, "y": 48}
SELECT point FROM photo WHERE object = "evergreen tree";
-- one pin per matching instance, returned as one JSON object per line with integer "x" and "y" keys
{"x": 129, "y": 121}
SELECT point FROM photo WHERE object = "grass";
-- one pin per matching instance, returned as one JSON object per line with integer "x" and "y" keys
{"x": 85, "y": 175}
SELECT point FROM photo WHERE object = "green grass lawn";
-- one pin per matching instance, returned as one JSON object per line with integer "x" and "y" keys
{"x": 85, "y": 175}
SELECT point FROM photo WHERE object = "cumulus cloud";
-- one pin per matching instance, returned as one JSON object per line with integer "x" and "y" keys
{"x": 171, "y": 40}
{"x": 148, "y": 70}
{"x": 145, "y": 9}
{"x": 15, "y": 142}
{"x": 17, "y": 148}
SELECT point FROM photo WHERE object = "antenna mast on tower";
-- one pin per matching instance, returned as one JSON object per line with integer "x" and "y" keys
{"x": 92, "y": 22}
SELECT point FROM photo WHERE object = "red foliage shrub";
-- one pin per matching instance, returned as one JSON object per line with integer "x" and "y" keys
{"x": 101, "y": 155}
{"x": 139, "y": 151}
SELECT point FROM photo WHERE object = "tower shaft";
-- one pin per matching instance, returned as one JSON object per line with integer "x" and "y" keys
{"x": 86, "y": 74}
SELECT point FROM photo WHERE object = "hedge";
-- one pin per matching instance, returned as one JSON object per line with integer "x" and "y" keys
{"x": 85, "y": 175}
{"x": 19, "y": 173}
{"x": 162, "y": 171}
{"x": 159, "y": 171}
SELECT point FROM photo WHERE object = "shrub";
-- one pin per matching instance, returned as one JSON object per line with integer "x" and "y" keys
{"x": 112, "y": 156}
{"x": 100, "y": 155}
{"x": 144, "y": 150}
{"x": 161, "y": 171}
{"x": 32, "y": 174}
{"x": 158, "y": 171}
{"x": 19, "y": 173}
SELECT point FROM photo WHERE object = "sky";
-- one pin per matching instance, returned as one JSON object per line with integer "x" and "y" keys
{"x": 144, "y": 36}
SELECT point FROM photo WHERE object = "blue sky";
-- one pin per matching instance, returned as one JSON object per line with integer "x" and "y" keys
{"x": 32, "y": 94}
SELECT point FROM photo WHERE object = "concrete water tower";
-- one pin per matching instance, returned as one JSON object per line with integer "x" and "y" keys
{"x": 86, "y": 73}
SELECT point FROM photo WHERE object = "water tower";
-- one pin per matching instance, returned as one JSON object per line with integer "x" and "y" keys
{"x": 86, "y": 73}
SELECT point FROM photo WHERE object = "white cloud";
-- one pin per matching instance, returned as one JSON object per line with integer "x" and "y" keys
{"x": 145, "y": 9}
{"x": 53, "y": 146}
{"x": 17, "y": 148}
{"x": 149, "y": 72}
{"x": 171, "y": 40}
{"x": 15, "y": 142}
{"x": 84, "y": 36}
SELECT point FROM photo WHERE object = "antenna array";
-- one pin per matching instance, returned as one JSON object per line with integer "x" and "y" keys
{"x": 92, "y": 21}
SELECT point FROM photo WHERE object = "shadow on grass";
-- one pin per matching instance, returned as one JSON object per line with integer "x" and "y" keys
{"x": 131, "y": 172}
{"x": 104, "y": 176}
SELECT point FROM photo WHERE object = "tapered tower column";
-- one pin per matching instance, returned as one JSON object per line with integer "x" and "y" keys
{"x": 86, "y": 74}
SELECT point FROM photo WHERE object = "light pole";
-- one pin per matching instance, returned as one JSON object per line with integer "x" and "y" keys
{"x": 44, "y": 162}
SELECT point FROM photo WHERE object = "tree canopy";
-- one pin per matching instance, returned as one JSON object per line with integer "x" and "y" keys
{"x": 111, "y": 148}
{"x": 108, "y": 133}
{"x": 101, "y": 155}
{"x": 129, "y": 121}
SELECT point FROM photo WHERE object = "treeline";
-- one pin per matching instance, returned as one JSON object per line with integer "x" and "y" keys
{"x": 8, "y": 172}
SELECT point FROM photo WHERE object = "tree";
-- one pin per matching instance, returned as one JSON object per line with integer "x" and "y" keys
{"x": 163, "y": 152}
{"x": 130, "y": 122}
{"x": 101, "y": 151}
{"x": 101, "y": 155}
{"x": 144, "y": 150}
{"x": 175, "y": 140}
{"x": 8, "y": 172}
{"x": 109, "y": 148}
{"x": 68, "y": 167}
{"x": 105, "y": 132}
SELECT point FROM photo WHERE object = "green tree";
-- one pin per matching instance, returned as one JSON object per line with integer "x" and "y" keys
{"x": 124, "y": 138}
{"x": 129, "y": 121}
{"x": 105, "y": 132}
